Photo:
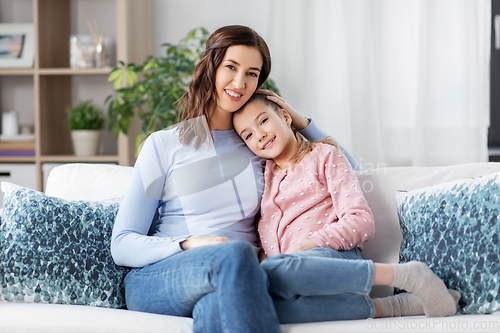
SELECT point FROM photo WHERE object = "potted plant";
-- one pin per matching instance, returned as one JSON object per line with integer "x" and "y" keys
{"x": 85, "y": 121}
{"x": 153, "y": 88}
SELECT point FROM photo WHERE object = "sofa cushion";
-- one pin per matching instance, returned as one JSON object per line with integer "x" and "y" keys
{"x": 379, "y": 185}
{"x": 454, "y": 228}
{"x": 86, "y": 181}
{"x": 57, "y": 251}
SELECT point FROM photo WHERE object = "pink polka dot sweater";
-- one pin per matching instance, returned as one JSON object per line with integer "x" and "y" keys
{"x": 320, "y": 200}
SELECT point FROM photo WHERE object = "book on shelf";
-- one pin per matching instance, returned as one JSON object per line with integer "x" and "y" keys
{"x": 17, "y": 146}
{"x": 17, "y": 153}
{"x": 17, "y": 137}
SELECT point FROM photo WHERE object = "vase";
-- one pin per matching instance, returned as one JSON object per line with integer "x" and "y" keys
{"x": 85, "y": 142}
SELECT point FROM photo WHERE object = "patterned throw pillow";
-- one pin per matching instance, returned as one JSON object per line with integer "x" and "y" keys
{"x": 454, "y": 228}
{"x": 58, "y": 251}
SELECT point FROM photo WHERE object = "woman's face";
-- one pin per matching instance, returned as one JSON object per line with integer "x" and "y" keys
{"x": 237, "y": 77}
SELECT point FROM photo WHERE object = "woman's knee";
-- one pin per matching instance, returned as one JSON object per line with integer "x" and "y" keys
{"x": 237, "y": 262}
{"x": 236, "y": 254}
{"x": 238, "y": 249}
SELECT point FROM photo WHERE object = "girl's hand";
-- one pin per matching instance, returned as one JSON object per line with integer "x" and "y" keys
{"x": 302, "y": 246}
{"x": 197, "y": 241}
{"x": 298, "y": 121}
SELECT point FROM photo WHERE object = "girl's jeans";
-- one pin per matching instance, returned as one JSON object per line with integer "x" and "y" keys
{"x": 222, "y": 287}
{"x": 320, "y": 284}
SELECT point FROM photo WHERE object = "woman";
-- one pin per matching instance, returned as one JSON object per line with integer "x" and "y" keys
{"x": 206, "y": 186}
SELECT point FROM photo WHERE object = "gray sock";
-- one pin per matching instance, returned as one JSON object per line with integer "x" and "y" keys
{"x": 404, "y": 304}
{"x": 417, "y": 278}
{"x": 407, "y": 304}
{"x": 456, "y": 296}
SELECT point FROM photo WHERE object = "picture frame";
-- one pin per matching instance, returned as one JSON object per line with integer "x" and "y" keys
{"x": 17, "y": 45}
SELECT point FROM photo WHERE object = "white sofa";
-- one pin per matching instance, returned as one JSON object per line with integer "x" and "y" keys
{"x": 103, "y": 182}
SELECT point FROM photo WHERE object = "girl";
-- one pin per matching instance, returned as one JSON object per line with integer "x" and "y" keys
{"x": 205, "y": 185}
{"x": 314, "y": 218}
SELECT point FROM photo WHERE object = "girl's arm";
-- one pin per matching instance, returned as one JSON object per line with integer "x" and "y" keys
{"x": 306, "y": 126}
{"x": 355, "y": 223}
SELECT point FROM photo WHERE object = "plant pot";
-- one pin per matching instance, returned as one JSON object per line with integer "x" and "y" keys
{"x": 85, "y": 142}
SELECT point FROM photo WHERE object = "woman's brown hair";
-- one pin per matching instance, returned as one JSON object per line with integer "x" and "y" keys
{"x": 195, "y": 106}
{"x": 305, "y": 146}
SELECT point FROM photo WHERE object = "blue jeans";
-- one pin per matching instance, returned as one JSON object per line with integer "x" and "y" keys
{"x": 320, "y": 285}
{"x": 221, "y": 286}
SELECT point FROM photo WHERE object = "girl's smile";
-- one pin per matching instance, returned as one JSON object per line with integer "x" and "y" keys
{"x": 268, "y": 144}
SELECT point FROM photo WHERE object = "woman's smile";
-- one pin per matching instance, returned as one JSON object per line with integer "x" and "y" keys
{"x": 233, "y": 95}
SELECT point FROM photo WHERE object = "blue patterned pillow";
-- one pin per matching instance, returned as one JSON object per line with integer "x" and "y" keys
{"x": 454, "y": 228}
{"x": 57, "y": 251}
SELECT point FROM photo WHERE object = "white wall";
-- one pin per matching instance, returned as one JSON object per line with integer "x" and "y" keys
{"x": 174, "y": 18}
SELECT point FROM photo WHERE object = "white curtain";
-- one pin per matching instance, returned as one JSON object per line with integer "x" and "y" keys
{"x": 396, "y": 82}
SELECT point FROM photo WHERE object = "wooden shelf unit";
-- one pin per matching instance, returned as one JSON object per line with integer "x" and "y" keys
{"x": 16, "y": 71}
{"x": 53, "y": 78}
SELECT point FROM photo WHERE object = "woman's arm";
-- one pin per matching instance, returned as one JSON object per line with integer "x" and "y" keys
{"x": 299, "y": 121}
{"x": 197, "y": 241}
{"x": 130, "y": 244}
{"x": 305, "y": 125}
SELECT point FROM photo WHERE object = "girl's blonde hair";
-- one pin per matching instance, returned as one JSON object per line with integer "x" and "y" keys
{"x": 305, "y": 146}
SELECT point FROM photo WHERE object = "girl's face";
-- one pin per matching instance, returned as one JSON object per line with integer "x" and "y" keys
{"x": 237, "y": 77}
{"x": 266, "y": 133}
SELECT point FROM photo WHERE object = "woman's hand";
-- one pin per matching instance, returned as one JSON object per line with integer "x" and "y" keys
{"x": 298, "y": 121}
{"x": 197, "y": 241}
{"x": 301, "y": 246}
{"x": 262, "y": 255}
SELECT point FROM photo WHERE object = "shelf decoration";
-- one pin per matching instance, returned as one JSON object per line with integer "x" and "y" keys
{"x": 85, "y": 121}
{"x": 16, "y": 45}
{"x": 99, "y": 41}
{"x": 81, "y": 51}
{"x": 10, "y": 126}
{"x": 88, "y": 51}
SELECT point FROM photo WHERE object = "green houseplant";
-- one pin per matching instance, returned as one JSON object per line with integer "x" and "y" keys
{"x": 85, "y": 121}
{"x": 153, "y": 88}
